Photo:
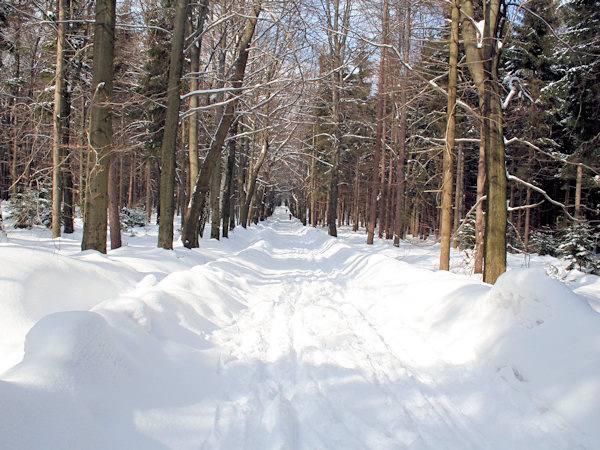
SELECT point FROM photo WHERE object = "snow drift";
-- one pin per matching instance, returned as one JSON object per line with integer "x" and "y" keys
{"x": 282, "y": 337}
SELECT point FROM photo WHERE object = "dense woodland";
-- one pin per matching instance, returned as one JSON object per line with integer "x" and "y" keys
{"x": 477, "y": 123}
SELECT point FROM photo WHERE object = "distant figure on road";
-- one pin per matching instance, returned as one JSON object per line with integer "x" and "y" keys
{"x": 290, "y": 217}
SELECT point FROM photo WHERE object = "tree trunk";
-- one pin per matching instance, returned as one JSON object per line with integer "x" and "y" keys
{"x": 167, "y": 174}
{"x": 100, "y": 131}
{"x": 458, "y": 196}
{"x": 356, "y": 202}
{"x": 496, "y": 215}
{"x": 61, "y": 119}
{"x": 375, "y": 187}
{"x": 479, "y": 215}
{"x": 189, "y": 235}
{"x": 228, "y": 191}
{"x": 482, "y": 62}
{"x": 113, "y": 204}
{"x": 68, "y": 200}
{"x": 495, "y": 227}
{"x": 148, "y": 201}
{"x": 132, "y": 164}
{"x": 252, "y": 184}
{"x": 215, "y": 201}
{"x": 194, "y": 99}
{"x": 399, "y": 213}
{"x": 313, "y": 182}
{"x": 448, "y": 164}
{"x": 527, "y": 220}
{"x": 578, "y": 181}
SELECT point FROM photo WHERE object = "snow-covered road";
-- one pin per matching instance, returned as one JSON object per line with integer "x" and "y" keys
{"x": 282, "y": 337}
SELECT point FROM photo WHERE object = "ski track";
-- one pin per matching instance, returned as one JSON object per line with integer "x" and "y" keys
{"x": 284, "y": 371}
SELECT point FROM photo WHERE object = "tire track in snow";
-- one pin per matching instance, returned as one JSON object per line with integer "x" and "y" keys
{"x": 306, "y": 358}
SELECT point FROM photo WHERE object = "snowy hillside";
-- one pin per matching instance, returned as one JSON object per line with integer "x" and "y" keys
{"x": 282, "y": 337}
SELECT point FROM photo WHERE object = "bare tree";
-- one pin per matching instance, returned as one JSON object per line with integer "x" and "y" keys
{"x": 446, "y": 222}
{"x": 100, "y": 130}
{"x": 167, "y": 177}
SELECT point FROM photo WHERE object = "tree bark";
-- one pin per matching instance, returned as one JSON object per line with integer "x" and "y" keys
{"x": 113, "y": 204}
{"x": 100, "y": 131}
{"x": 229, "y": 190}
{"x": 482, "y": 61}
{"x": 448, "y": 164}
{"x": 527, "y": 220}
{"x": 578, "y": 182}
{"x": 148, "y": 196}
{"x": 194, "y": 100}
{"x": 375, "y": 185}
{"x": 167, "y": 173}
{"x": 61, "y": 119}
{"x": 215, "y": 201}
{"x": 252, "y": 184}
{"x": 479, "y": 214}
{"x": 458, "y": 195}
{"x": 399, "y": 213}
{"x": 496, "y": 216}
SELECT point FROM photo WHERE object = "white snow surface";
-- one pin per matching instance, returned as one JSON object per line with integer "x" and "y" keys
{"x": 283, "y": 337}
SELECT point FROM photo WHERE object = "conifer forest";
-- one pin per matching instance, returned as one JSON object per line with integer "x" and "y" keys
{"x": 472, "y": 122}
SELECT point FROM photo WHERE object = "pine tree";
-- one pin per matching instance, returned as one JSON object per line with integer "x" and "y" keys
{"x": 582, "y": 78}
{"x": 578, "y": 244}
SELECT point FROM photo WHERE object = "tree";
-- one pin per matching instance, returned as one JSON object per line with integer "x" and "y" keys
{"x": 380, "y": 137}
{"x": 446, "y": 222}
{"x": 167, "y": 175}
{"x": 338, "y": 22}
{"x": 189, "y": 236}
{"x": 100, "y": 129}
{"x": 482, "y": 61}
{"x": 61, "y": 116}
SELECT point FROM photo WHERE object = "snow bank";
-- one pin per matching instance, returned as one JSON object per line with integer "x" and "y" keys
{"x": 549, "y": 345}
{"x": 283, "y": 337}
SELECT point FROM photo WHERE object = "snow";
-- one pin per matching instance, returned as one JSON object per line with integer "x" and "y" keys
{"x": 283, "y": 337}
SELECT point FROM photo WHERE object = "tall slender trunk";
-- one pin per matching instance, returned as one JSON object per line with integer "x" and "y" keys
{"x": 337, "y": 135}
{"x": 215, "y": 201}
{"x": 132, "y": 165}
{"x": 100, "y": 131}
{"x": 356, "y": 202}
{"x": 496, "y": 214}
{"x": 246, "y": 207}
{"x": 448, "y": 164}
{"x": 113, "y": 203}
{"x": 68, "y": 199}
{"x": 148, "y": 186}
{"x": 578, "y": 182}
{"x": 482, "y": 61}
{"x": 458, "y": 195}
{"x": 375, "y": 185}
{"x": 479, "y": 214}
{"x": 399, "y": 213}
{"x": 313, "y": 182}
{"x": 194, "y": 100}
{"x": 61, "y": 118}
{"x": 167, "y": 174}
{"x": 229, "y": 190}
{"x": 527, "y": 220}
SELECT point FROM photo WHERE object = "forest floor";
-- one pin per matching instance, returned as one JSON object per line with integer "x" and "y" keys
{"x": 283, "y": 337}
